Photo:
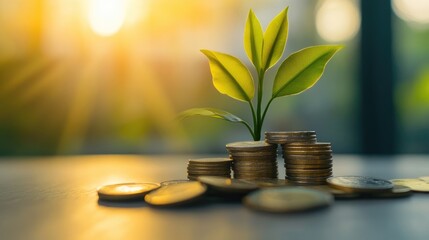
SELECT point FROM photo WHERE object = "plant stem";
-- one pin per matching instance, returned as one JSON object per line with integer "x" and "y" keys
{"x": 266, "y": 109}
{"x": 258, "y": 126}
{"x": 254, "y": 120}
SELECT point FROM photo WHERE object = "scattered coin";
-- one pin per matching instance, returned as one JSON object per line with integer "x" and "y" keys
{"x": 396, "y": 191}
{"x": 176, "y": 194}
{"x": 125, "y": 191}
{"x": 426, "y": 178}
{"x": 415, "y": 184}
{"x": 228, "y": 185}
{"x": 287, "y": 199}
{"x": 359, "y": 184}
{"x": 170, "y": 182}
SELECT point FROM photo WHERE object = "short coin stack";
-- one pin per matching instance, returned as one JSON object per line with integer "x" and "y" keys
{"x": 209, "y": 167}
{"x": 308, "y": 163}
{"x": 253, "y": 159}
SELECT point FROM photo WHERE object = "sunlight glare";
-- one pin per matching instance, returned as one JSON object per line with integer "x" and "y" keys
{"x": 106, "y": 17}
{"x": 337, "y": 20}
{"x": 416, "y": 11}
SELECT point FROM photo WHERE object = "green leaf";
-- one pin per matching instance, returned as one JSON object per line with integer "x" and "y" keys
{"x": 275, "y": 38}
{"x": 302, "y": 69}
{"x": 210, "y": 112}
{"x": 230, "y": 76}
{"x": 253, "y": 39}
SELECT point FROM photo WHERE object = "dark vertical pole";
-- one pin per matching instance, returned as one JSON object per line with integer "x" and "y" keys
{"x": 376, "y": 79}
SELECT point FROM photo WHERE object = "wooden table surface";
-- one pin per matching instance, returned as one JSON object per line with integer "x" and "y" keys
{"x": 55, "y": 198}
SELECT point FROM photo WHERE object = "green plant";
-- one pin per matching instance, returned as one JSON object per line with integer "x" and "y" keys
{"x": 299, "y": 72}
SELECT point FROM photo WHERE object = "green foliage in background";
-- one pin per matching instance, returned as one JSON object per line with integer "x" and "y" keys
{"x": 299, "y": 72}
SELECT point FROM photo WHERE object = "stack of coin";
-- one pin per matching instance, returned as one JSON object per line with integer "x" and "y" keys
{"x": 290, "y": 137}
{"x": 308, "y": 163}
{"x": 209, "y": 167}
{"x": 253, "y": 159}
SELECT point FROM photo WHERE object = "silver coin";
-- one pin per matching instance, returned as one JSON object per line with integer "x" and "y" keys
{"x": 359, "y": 183}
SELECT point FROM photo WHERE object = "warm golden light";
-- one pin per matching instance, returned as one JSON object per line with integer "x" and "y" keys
{"x": 416, "y": 11}
{"x": 106, "y": 17}
{"x": 337, "y": 20}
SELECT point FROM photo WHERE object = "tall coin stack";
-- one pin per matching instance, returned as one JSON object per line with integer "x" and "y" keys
{"x": 209, "y": 167}
{"x": 307, "y": 162}
{"x": 253, "y": 160}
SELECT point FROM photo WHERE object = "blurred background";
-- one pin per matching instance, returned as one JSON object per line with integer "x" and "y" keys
{"x": 109, "y": 76}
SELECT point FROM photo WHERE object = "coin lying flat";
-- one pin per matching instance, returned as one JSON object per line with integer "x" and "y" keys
{"x": 425, "y": 178}
{"x": 176, "y": 194}
{"x": 170, "y": 182}
{"x": 287, "y": 199}
{"x": 359, "y": 183}
{"x": 228, "y": 185}
{"x": 396, "y": 191}
{"x": 250, "y": 146}
{"x": 125, "y": 191}
{"x": 415, "y": 184}
{"x": 290, "y": 133}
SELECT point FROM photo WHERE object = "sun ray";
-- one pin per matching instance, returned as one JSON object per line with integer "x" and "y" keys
{"x": 75, "y": 126}
{"x": 23, "y": 74}
{"x": 159, "y": 108}
{"x": 40, "y": 85}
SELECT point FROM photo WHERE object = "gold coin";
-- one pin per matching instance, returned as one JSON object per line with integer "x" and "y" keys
{"x": 321, "y": 175}
{"x": 250, "y": 146}
{"x": 228, "y": 185}
{"x": 415, "y": 184}
{"x": 290, "y": 133}
{"x": 270, "y": 182}
{"x": 305, "y": 171}
{"x": 396, "y": 191}
{"x": 210, "y": 161}
{"x": 426, "y": 178}
{"x": 255, "y": 154}
{"x": 286, "y": 141}
{"x": 255, "y": 175}
{"x": 209, "y": 172}
{"x": 308, "y": 166}
{"x": 255, "y": 163}
{"x": 209, "y": 169}
{"x": 287, "y": 199}
{"x": 170, "y": 182}
{"x": 125, "y": 191}
{"x": 307, "y": 152}
{"x": 327, "y": 157}
{"x": 176, "y": 194}
{"x": 194, "y": 175}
